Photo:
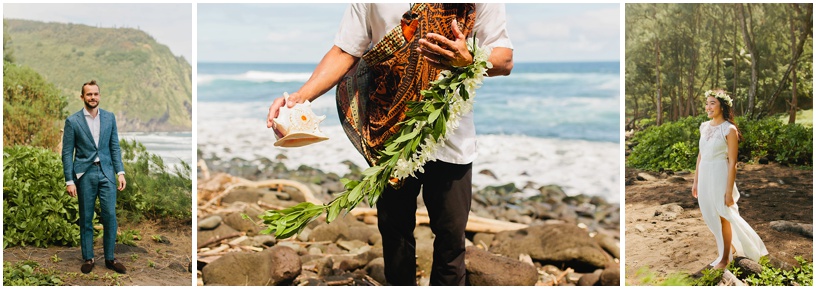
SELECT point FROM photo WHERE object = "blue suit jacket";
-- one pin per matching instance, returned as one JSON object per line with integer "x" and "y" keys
{"x": 79, "y": 149}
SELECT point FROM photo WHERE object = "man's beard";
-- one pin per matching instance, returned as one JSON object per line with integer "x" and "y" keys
{"x": 89, "y": 106}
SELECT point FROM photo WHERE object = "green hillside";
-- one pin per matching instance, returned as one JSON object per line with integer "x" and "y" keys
{"x": 141, "y": 81}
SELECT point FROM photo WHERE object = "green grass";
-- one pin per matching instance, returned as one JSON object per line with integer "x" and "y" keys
{"x": 803, "y": 117}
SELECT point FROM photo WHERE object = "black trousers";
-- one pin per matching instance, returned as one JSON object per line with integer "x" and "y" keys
{"x": 446, "y": 189}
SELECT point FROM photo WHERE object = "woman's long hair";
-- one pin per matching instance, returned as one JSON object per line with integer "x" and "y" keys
{"x": 728, "y": 113}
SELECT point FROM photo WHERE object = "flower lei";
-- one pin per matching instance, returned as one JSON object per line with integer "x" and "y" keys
{"x": 421, "y": 135}
{"x": 721, "y": 95}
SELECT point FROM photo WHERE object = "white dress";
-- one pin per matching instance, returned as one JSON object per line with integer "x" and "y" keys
{"x": 712, "y": 177}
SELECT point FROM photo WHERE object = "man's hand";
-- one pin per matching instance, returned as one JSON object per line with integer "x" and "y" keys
{"x": 274, "y": 109}
{"x": 71, "y": 190}
{"x": 122, "y": 182}
{"x": 442, "y": 52}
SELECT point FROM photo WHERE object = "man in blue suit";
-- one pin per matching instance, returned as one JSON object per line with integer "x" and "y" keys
{"x": 90, "y": 156}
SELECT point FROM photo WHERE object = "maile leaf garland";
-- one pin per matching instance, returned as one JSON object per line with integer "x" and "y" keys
{"x": 421, "y": 135}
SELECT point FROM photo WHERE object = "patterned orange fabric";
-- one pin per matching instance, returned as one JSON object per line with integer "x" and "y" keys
{"x": 372, "y": 98}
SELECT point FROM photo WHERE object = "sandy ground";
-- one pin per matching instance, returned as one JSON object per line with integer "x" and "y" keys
{"x": 684, "y": 244}
{"x": 150, "y": 263}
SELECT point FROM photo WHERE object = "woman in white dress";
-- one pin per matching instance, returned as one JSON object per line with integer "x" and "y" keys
{"x": 714, "y": 183}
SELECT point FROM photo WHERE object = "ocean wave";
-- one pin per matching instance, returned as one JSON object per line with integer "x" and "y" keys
{"x": 256, "y": 76}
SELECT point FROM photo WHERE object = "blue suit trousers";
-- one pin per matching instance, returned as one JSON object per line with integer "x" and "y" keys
{"x": 92, "y": 185}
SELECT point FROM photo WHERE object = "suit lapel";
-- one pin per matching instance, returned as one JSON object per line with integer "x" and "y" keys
{"x": 104, "y": 126}
{"x": 83, "y": 123}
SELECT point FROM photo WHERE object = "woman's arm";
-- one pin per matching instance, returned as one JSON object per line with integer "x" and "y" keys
{"x": 732, "y": 141}
{"x": 696, "y": 170}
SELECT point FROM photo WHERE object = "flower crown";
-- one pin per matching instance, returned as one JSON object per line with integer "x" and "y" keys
{"x": 721, "y": 95}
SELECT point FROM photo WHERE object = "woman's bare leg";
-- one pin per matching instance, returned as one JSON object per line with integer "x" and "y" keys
{"x": 726, "y": 233}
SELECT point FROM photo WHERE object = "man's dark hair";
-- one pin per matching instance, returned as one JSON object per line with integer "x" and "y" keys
{"x": 92, "y": 82}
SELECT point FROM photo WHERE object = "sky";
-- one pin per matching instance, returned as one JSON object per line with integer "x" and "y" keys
{"x": 303, "y": 33}
{"x": 169, "y": 24}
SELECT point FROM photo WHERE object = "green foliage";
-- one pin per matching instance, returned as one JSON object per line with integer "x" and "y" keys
{"x": 139, "y": 78}
{"x": 770, "y": 276}
{"x": 153, "y": 190}
{"x": 645, "y": 277}
{"x": 784, "y": 143}
{"x": 674, "y": 145}
{"x": 679, "y": 50}
{"x": 129, "y": 237}
{"x": 28, "y": 273}
{"x": 33, "y": 109}
{"x": 36, "y": 209}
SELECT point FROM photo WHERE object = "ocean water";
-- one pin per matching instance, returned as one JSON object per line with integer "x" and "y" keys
{"x": 546, "y": 123}
{"x": 172, "y": 147}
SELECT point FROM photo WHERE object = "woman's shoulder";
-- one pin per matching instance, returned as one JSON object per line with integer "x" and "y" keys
{"x": 704, "y": 124}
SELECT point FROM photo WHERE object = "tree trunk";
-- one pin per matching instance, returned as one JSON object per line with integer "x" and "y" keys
{"x": 754, "y": 59}
{"x": 659, "y": 119}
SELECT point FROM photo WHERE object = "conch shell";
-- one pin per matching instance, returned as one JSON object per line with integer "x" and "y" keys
{"x": 299, "y": 125}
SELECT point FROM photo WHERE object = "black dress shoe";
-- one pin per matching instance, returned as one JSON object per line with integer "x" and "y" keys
{"x": 87, "y": 266}
{"x": 115, "y": 265}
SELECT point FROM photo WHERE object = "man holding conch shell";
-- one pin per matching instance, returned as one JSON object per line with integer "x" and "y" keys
{"x": 406, "y": 76}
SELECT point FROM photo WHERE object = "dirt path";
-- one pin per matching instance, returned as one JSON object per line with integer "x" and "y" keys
{"x": 149, "y": 263}
{"x": 684, "y": 244}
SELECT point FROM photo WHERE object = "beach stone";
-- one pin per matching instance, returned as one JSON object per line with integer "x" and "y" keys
{"x": 322, "y": 264}
{"x": 273, "y": 266}
{"x": 677, "y": 180}
{"x": 630, "y": 181}
{"x": 220, "y": 231}
{"x": 806, "y": 230}
{"x": 747, "y": 266}
{"x": 485, "y": 269}
{"x": 502, "y": 189}
{"x": 344, "y": 227}
{"x": 237, "y": 221}
{"x": 351, "y": 245}
{"x": 611, "y": 276}
{"x": 376, "y": 269}
{"x": 668, "y": 212}
{"x": 646, "y": 177}
{"x": 488, "y": 173}
{"x": 334, "y": 187}
{"x": 260, "y": 240}
{"x": 553, "y": 193}
{"x": 563, "y": 244}
{"x": 483, "y": 239}
{"x": 590, "y": 279}
{"x": 608, "y": 243}
{"x": 127, "y": 249}
{"x": 209, "y": 222}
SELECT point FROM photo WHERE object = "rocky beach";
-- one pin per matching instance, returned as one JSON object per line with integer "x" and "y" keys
{"x": 540, "y": 233}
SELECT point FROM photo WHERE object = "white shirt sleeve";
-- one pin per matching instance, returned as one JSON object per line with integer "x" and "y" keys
{"x": 491, "y": 25}
{"x": 354, "y": 36}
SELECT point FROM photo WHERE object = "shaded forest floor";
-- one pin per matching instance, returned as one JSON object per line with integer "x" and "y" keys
{"x": 667, "y": 241}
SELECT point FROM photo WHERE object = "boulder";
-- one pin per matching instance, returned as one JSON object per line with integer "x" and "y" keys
{"x": 210, "y": 222}
{"x": 608, "y": 243}
{"x": 668, "y": 212}
{"x": 562, "y": 244}
{"x": 590, "y": 279}
{"x": 483, "y": 239}
{"x": 236, "y": 221}
{"x": 485, "y": 269}
{"x": 376, "y": 269}
{"x": 747, "y": 267}
{"x": 344, "y": 227}
{"x": 806, "y": 230}
{"x": 646, "y": 177}
{"x": 611, "y": 276}
{"x": 275, "y": 266}
{"x": 220, "y": 231}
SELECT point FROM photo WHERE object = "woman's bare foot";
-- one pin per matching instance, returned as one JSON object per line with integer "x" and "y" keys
{"x": 721, "y": 266}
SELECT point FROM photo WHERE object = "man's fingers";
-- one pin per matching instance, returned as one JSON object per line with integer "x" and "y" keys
{"x": 456, "y": 32}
